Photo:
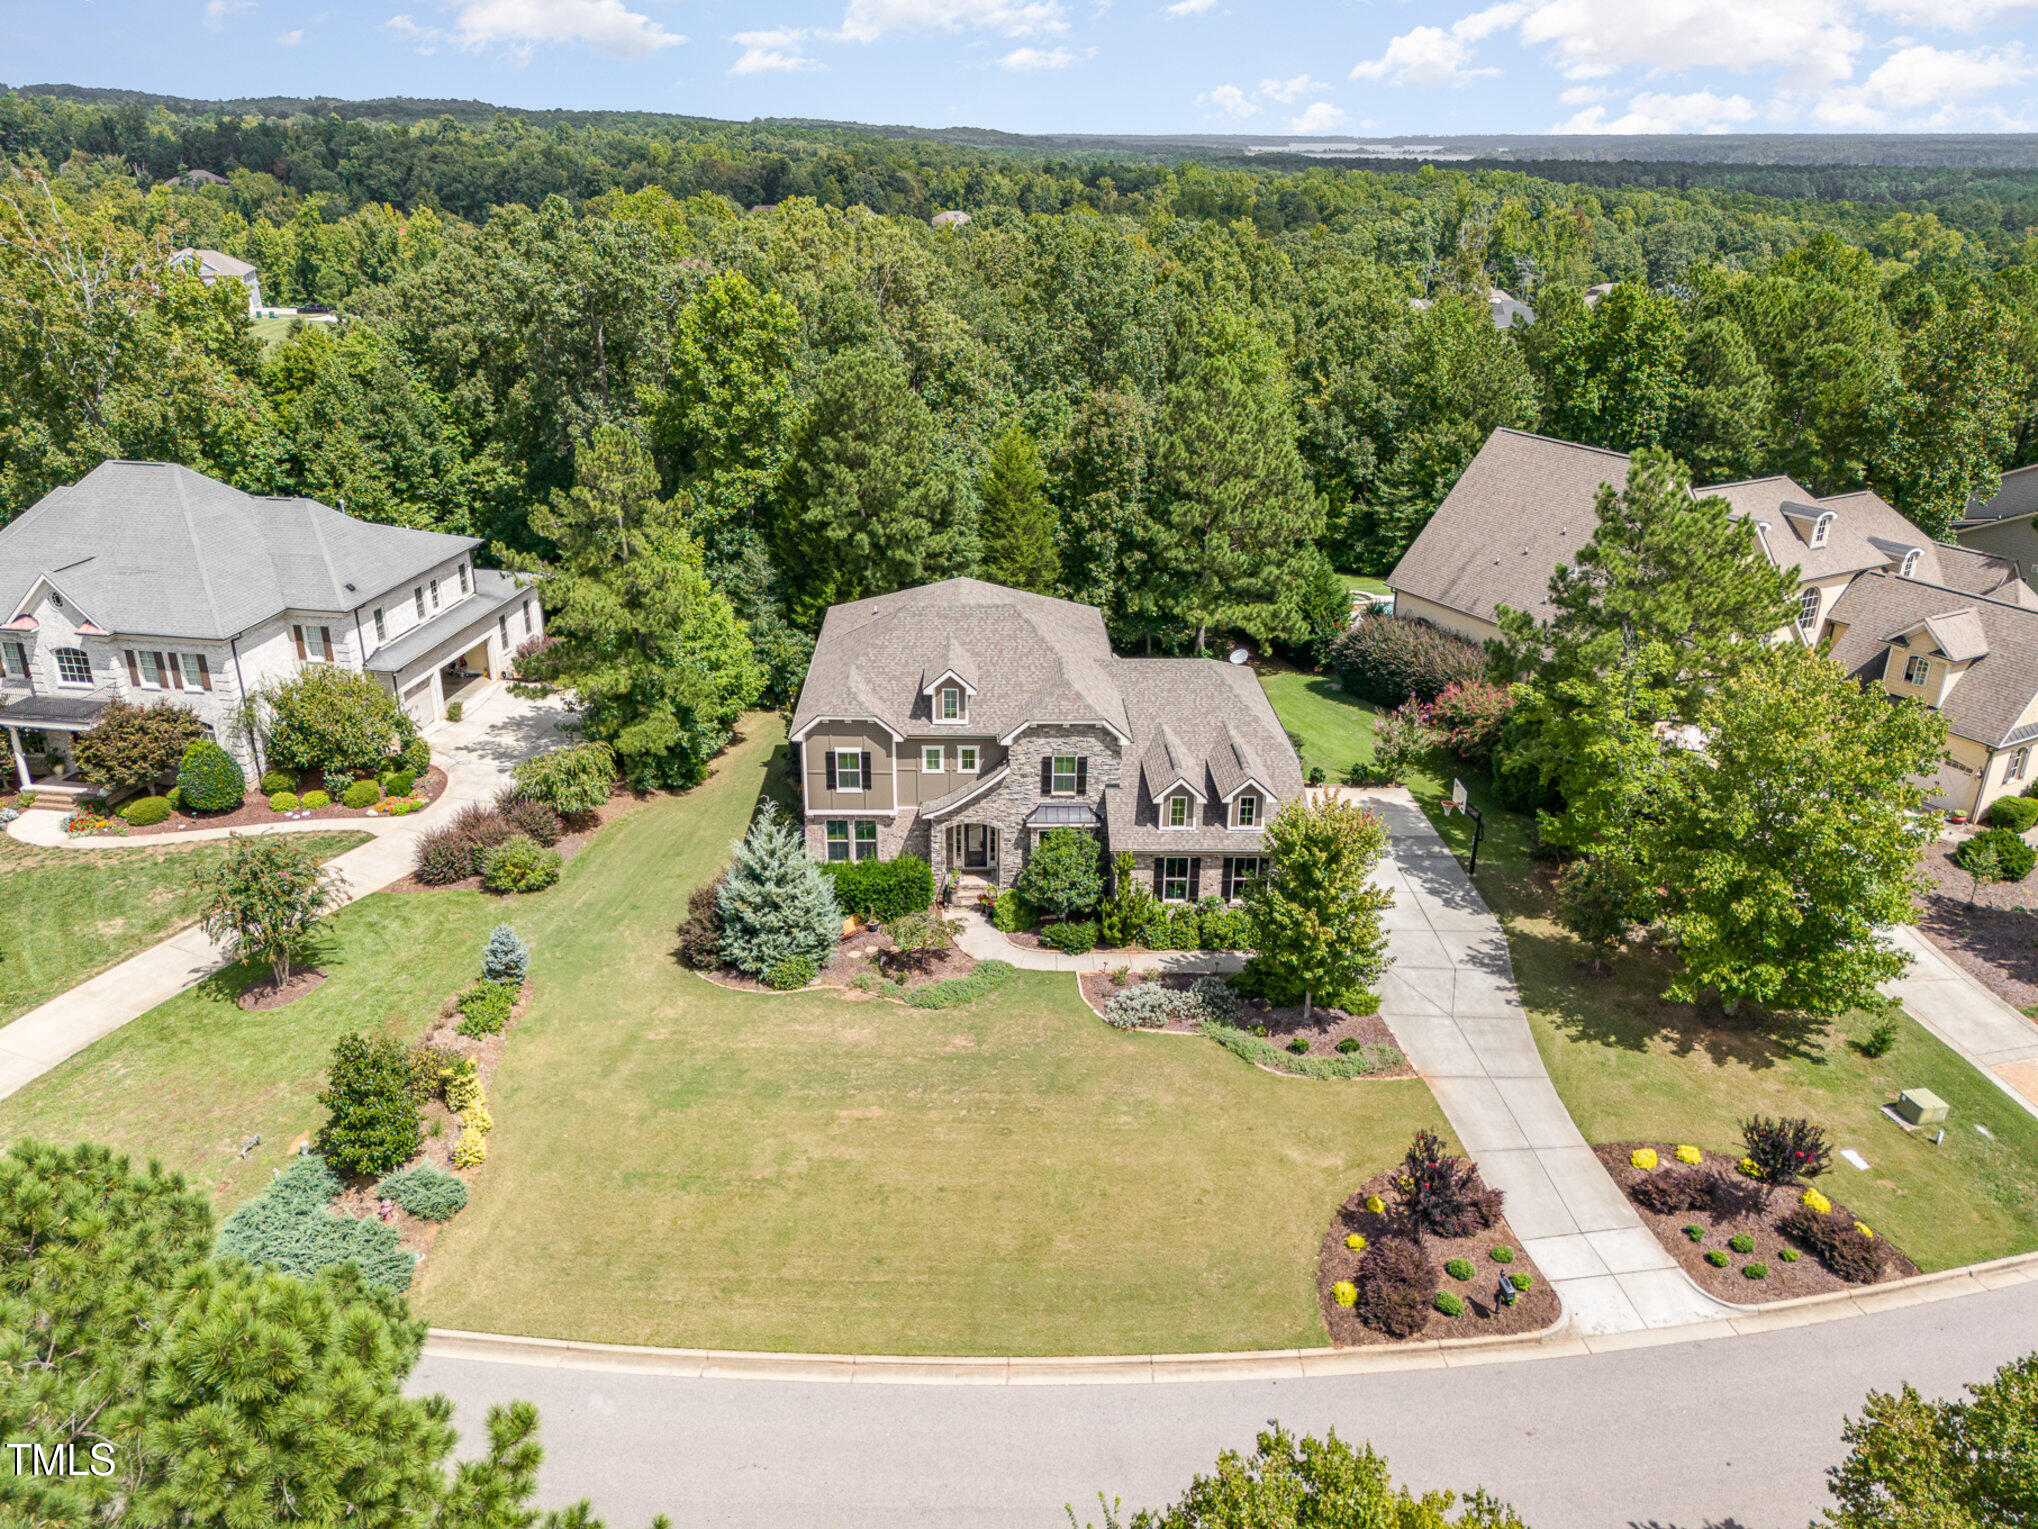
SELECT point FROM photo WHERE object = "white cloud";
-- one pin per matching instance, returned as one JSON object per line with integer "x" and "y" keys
{"x": 1228, "y": 101}
{"x": 1584, "y": 95}
{"x": 1038, "y": 58}
{"x": 1321, "y": 117}
{"x": 775, "y": 50}
{"x": 1699, "y": 111}
{"x": 1183, "y": 8}
{"x": 291, "y": 38}
{"x": 519, "y": 26}
{"x": 1950, "y": 15}
{"x": 1425, "y": 56}
{"x": 216, "y": 11}
{"x": 1920, "y": 77}
{"x": 424, "y": 40}
{"x": 1287, "y": 92}
{"x": 868, "y": 20}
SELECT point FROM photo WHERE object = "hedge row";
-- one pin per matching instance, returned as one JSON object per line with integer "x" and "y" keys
{"x": 878, "y": 891}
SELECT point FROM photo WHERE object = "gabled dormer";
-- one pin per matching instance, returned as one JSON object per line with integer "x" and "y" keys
{"x": 1927, "y": 659}
{"x": 951, "y": 687}
{"x": 1174, "y": 781}
{"x": 1241, "y": 781}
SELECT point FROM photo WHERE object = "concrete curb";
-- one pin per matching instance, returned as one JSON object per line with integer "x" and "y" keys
{"x": 1268, "y": 1364}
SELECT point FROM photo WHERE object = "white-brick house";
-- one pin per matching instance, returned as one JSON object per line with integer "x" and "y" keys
{"x": 148, "y": 582}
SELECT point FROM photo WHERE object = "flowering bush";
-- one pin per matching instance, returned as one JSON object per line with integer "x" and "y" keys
{"x": 1643, "y": 1158}
{"x": 1388, "y": 659}
{"x": 1345, "y": 1293}
{"x": 1690, "y": 1155}
{"x": 1816, "y": 1201}
{"x": 1467, "y": 716}
{"x": 1402, "y": 739}
{"x": 84, "y": 822}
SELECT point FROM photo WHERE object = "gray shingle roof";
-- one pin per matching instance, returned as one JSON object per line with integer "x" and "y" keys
{"x": 212, "y": 260}
{"x": 1986, "y": 703}
{"x": 493, "y": 589}
{"x": 2017, "y": 497}
{"x": 155, "y": 549}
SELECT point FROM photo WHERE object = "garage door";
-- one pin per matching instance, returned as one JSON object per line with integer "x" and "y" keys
{"x": 1952, "y": 789}
{"x": 418, "y": 702}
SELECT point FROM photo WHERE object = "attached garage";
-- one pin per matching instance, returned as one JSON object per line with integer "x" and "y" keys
{"x": 421, "y": 700}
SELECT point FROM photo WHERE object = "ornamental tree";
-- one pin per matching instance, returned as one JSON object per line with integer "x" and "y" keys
{"x": 371, "y": 1119}
{"x": 267, "y": 899}
{"x": 1065, "y": 872}
{"x": 1316, "y": 913}
{"x": 577, "y": 778}
{"x": 328, "y": 718}
{"x": 134, "y": 746}
{"x": 1786, "y": 1152}
{"x": 774, "y": 902}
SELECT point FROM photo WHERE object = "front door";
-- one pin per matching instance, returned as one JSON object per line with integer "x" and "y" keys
{"x": 973, "y": 846}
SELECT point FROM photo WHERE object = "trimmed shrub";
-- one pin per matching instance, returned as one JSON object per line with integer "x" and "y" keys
{"x": 505, "y": 958}
{"x": 1690, "y": 1155}
{"x": 1396, "y": 1282}
{"x": 790, "y": 973}
{"x": 700, "y": 933}
{"x": 1755, "y": 1271}
{"x": 1819, "y": 1203}
{"x": 1345, "y": 1293}
{"x": 1348, "y": 1044}
{"x": 878, "y": 891}
{"x": 1880, "y": 1038}
{"x": 426, "y": 1190}
{"x": 775, "y": 902}
{"x": 134, "y": 745}
{"x": 1355, "y": 1242}
{"x": 471, "y": 1149}
{"x": 1389, "y": 659}
{"x": 1176, "y": 927}
{"x": 1459, "y": 1268}
{"x": 1695, "y": 1232}
{"x": 485, "y": 1008}
{"x": 1741, "y": 1242}
{"x": 1835, "y": 1240}
{"x": 2014, "y": 858}
{"x": 1790, "y": 1255}
{"x": 1521, "y": 1280}
{"x": 326, "y": 717}
{"x": 1717, "y": 1258}
{"x": 1223, "y": 928}
{"x": 1012, "y": 913}
{"x": 1151, "y": 1005}
{"x": 1065, "y": 872}
{"x": 275, "y": 780}
{"x": 1502, "y": 1254}
{"x": 288, "y": 1228}
{"x": 536, "y": 821}
{"x": 338, "y": 783}
{"x": 433, "y": 1069}
{"x": 1673, "y": 1191}
{"x": 313, "y": 800}
{"x": 455, "y": 711}
{"x": 1450, "y": 1305}
{"x": 417, "y": 756}
{"x": 399, "y": 783}
{"x": 1375, "y": 1206}
{"x": 1070, "y": 939}
{"x": 363, "y": 793}
{"x": 1643, "y": 1158}
{"x": 371, "y": 1121}
{"x": 575, "y": 778}
{"x": 1299, "y": 1046}
{"x": 2016, "y": 813}
{"x": 146, "y": 811}
{"x": 1785, "y": 1151}
{"x": 444, "y": 856}
{"x": 209, "y": 779}
{"x": 520, "y": 865}
{"x": 283, "y": 801}
{"x": 1128, "y": 908}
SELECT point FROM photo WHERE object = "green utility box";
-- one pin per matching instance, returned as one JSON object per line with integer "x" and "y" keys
{"x": 1921, "y": 1107}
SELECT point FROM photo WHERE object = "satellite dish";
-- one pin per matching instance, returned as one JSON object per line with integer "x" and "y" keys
{"x": 1240, "y": 655}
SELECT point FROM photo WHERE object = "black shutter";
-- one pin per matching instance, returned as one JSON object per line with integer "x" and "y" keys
{"x": 866, "y": 770}
{"x": 1225, "y": 884}
{"x": 1082, "y": 775}
{"x": 1159, "y": 871}
{"x": 1195, "y": 878}
{"x": 830, "y": 757}
{"x": 1046, "y": 777}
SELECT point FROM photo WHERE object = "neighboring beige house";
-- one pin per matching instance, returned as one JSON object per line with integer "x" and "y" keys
{"x": 212, "y": 266}
{"x": 1893, "y": 602}
{"x": 2006, "y": 523}
{"x": 148, "y": 582}
{"x": 960, "y": 720}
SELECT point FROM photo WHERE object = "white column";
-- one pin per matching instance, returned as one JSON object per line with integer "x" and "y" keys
{"x": 20, "y": 759}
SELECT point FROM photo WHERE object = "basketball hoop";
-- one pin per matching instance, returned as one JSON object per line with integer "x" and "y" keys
{"x": 1460, "y": 798}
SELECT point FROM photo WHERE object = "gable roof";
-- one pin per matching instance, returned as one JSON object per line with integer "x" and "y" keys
{"x": 214, "y": 261}
{"x": 155, "y": 549}
{"x": 1988, "y": 701}
{"x": 2017, "y": 498}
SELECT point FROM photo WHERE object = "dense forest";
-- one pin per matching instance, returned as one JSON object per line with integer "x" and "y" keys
{"x": 1183, "y": 391}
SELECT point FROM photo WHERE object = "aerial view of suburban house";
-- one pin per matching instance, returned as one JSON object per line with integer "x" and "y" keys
{"x": 146, "y": 581}
{"x": 959, "y": 720}
{"x": 1953, "y": 626}
{"x": 2005, "y": 523}
{"x": 213, "y": 266}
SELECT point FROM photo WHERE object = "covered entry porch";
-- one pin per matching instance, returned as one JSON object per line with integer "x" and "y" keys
{"x": 42, "y": 736}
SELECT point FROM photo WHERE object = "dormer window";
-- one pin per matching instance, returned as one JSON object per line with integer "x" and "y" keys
{"x": 1178, "y": 811}
{"x": 1808, "y": 611}
{"x": 1246, "y": 814}
{"x": 1909, "y": 567}
{"x": 951, "y": 704}
{"x": 1821, "y": 528}
{"x": 1917, "y": 670}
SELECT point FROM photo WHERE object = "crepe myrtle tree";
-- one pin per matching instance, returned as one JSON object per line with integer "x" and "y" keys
{"x": 267, "y": 898}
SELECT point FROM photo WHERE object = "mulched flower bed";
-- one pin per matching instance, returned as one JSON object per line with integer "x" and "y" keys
{"x": 1744, "y": 1207}
{"x": 1484, "y": 1317}
{"x": 1325, "y": 1029}
{"x": 861, "y": 954}
{"x": 263, "y": 993}
{"x": 581, "y": 827}
{"x": 254, "y": 812}
{"x": 1995, "y": 941}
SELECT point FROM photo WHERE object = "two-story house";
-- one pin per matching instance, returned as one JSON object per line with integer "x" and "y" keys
{"x": 152, "y": 583}
{"x": 1869, "y": 581}
{"x": 958, "y": 721}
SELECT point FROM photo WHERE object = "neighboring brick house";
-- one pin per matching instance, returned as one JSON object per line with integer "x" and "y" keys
{"x": 960, "y": 720}
{"x": 148, "y": 582}
{"x": 1869, "y": 581}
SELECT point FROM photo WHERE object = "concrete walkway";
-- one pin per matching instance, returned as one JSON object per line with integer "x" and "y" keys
{"x": 1451, "y": 1000}
{"x": 476, "y": 754}
{"x": 1997, "y": 1041}
{"x": 981, "y": 939}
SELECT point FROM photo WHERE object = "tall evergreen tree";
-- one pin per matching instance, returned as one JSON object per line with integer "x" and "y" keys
{"x": 1100, "y": 486}
{"x": 775, "y": 902}
{"x": 1234, "y": 508}
{"x": 1721, "y": 423}
{"x": 661, "y": 665}
{"x": 1018, "y": 522}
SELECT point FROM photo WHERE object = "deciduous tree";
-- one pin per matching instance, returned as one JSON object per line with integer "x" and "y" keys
{"x": 132, "y": 746}
{"x": 1316, "y": 914}
{"x": 267, "y": 899}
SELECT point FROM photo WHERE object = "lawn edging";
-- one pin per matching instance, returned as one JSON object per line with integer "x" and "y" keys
{"x": 1867, "y": 1298}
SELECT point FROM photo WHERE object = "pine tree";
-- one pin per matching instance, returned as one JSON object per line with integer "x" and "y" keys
{"x": 1017, "y": 521}
{"x": 1235, "y": 511}
{"x": 775, "y": 902}
{"x": 1316, "y": 914}
{"x": 505, "y": 958}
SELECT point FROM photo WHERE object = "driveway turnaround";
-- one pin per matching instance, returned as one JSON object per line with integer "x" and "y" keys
{"x": 476, "y": 754}
{"x": 1452, "y": 1003}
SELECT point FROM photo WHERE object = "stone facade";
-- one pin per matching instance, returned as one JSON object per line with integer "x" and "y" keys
{"x": 1007, "y": 807}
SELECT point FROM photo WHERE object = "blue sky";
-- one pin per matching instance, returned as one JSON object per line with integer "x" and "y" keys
{"x": 1337, "y": 67}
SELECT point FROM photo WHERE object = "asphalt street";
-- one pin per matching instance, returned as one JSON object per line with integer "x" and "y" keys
{"x": 1727, "y": 1433}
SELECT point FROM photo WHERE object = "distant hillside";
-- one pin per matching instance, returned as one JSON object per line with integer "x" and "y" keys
{"x": 1522, "y": 150}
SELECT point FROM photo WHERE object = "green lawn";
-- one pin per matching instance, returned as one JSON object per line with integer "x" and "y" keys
{"x": 1629, "y": 1065}
{"x": 1364, "y": 581}
{"x": 675, "y": 1163}
{"x": 67, "y": 914}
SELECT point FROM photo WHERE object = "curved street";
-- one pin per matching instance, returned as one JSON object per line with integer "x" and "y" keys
{"x": 1727, "y": 1433}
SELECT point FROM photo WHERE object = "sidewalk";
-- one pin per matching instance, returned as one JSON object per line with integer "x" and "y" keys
{"x": 1997, "y": 1041}
{"x": 979, "y": 938}
{"x": 476, "y": 754}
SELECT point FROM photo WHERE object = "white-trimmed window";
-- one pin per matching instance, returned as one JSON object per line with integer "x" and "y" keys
{"x": 866, "y": 838}
{"x": 1808, "y": 611}
{"x": 527, "y": 618}
{"x": 1821, "y": 529}
{"x": 381, "y": 626}
{"x": 966, "y": 759}
{"x": 73, "y": 667}
{"x": 930, "y": 759}
{"x": 435, "y": 594}
{"x": 1917, "y": 669}
{"x": 2019, "y": 761}
{"x": 315, "y": 650}
{"x": 418, "y": 598}
{"x": 1246, "y": 812}
{"x": 848, "y": 769}
{"x": 1176, "y": 813}
{"x": 14, "y": 660}
{"x": 838, "y": 840}
{"x": 192, "y": 670}
{"x": 462, "y": 570}
{"x": 1245, "y": 870}
{"x": 1909, "y": 567}
{"x": 1064, "y": 778}
{"x": 1175, "y": 878}
{"x": 950, "y": 706}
